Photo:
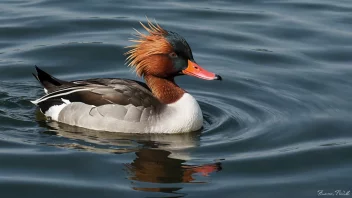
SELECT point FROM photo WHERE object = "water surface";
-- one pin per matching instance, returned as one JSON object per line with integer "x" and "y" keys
{"x": 278, "y": 125}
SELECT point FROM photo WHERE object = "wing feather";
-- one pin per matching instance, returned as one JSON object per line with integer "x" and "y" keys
{"x": 100, "y": 92}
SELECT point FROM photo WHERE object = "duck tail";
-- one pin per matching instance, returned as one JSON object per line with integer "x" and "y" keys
{"x": 49, "y": 82}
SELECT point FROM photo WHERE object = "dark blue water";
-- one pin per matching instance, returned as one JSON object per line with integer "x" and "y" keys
{"x": 278, "y": 125}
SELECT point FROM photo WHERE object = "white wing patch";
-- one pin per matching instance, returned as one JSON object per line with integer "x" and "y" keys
{"x": 35, "y": 102}
{"x": 65, "y": 101}
{"x": 62, "y": 92}
{"x": 54, "y": 111}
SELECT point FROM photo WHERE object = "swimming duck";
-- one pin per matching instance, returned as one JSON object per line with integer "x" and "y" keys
{"x": 123, "y": 105}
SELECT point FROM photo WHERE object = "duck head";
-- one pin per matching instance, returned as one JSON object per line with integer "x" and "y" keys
{"x": 164, "y": 54}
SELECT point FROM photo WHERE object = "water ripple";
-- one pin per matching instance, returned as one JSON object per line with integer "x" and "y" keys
{"x": 278, "y": 122}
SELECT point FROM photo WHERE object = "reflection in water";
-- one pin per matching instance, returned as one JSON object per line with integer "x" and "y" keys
{"x": 160, "y": 158}
{"x": 155, "y": 166}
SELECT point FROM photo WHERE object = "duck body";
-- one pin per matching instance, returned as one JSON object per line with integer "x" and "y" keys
{"x": 116, "y": 105}
{"x": 123, "y": 105}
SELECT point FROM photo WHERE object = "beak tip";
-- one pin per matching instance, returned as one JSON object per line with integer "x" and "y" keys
{"x": 218, "y": 77}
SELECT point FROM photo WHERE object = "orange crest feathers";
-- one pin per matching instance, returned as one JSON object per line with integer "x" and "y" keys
{"x": 147, "y": 46}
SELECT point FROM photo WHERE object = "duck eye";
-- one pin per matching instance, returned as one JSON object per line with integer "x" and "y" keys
{"x": 173, "y": 55}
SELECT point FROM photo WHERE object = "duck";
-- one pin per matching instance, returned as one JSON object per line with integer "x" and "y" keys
{"x": 129, "y": 106}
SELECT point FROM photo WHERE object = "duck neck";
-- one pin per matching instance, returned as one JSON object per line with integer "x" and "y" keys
{"x": 165, "y": 89}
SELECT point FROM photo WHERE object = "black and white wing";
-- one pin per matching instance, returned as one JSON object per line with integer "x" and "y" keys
{"x": 121, "y": 99}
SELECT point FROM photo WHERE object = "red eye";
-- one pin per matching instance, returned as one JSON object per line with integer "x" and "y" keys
{"x": 173, "y": 55}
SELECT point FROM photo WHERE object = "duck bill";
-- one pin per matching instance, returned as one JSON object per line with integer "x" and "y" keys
{"x": 193, "y": 69}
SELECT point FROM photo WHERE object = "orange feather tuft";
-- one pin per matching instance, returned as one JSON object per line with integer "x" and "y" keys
{"x": 147, "y": 46}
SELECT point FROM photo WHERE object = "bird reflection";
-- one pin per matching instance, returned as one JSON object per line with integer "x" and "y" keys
{"x": 157, "y": 167}
{"x": 160, "y": 159}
